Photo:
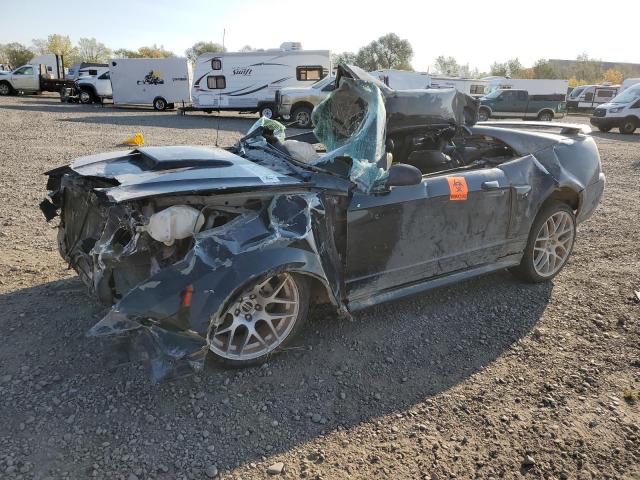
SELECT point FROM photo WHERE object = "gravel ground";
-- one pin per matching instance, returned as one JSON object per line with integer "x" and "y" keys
{"x": 490, "y": 378}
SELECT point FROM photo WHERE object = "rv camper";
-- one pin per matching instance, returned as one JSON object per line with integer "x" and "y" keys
{"x": 588, "y": 97}
{"x": 471, "y": 86}
{"x": 161, "y": 82}
{"x": 403, "y": 79}
{"x": 248, "y": 81}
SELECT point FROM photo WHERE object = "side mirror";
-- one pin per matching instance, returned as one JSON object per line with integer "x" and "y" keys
{"x": 401, "y": 174}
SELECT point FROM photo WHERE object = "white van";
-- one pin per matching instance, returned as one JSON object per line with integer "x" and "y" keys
{"x": 248, "y": 81}
{"x": 623, "y": 111}
{"x": 160, "y": 82}
{"x": 627, "y": 83}
{"x": 588, "y": 97}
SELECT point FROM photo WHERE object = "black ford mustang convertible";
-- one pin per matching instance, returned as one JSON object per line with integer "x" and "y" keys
{"x": 218, "y": 253}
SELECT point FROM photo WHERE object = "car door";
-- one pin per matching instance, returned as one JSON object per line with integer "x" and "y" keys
{"x": 447, "y": 223}
{"x": 103, "y": 85}
{"x": 25, "y": 79}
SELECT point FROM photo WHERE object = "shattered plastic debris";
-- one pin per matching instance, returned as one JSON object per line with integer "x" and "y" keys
{"x": 277, "y": 127}
{"x": 351, "y": 123}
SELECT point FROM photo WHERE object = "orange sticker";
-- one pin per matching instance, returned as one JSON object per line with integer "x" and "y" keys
{"x": 457, "y": 188}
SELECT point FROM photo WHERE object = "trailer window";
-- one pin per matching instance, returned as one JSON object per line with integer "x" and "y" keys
{"x": 216, "y": 82}
{"x": 216, "y": 64}
{"x": 309, "y": 73}
{"x": 605, "y": 93}
{"x": 477, "y": 90}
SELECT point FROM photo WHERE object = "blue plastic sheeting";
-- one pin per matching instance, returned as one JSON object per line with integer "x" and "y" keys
{"x": 350, "y": 122}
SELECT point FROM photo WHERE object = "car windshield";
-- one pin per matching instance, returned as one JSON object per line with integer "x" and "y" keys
{"x": 628, "y": 96}
{"x": 576, "y": 91}
{"x": 322, "y": 82}
{"x": 494, "y": 94}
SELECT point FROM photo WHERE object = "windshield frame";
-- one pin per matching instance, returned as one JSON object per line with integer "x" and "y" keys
{"x": 628, "y": 95}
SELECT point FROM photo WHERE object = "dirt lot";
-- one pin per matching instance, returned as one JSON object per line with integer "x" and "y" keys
{"x": 490, "y": 378}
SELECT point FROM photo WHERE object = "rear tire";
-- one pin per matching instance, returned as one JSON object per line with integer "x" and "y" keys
{"x": 5, "y": 89}
{"x": 545, "y": 116}
{"x": 628, "y": 126}
{"x": 302, "y": 117}
{"x": 160, "y": 104}
{"x": 271, "y": 312}
{"x": 548, "y": 249}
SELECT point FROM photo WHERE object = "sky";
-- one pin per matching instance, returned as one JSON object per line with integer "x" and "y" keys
{"x": 478, "y": 32}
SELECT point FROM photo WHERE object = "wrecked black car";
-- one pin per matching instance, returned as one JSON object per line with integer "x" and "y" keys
{"x": 219, "y": 252}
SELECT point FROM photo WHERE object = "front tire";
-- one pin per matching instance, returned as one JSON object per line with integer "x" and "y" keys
{"x": 302, "y": 117}
{"x": 550, "y": 243}
{"x": 483, "y": 115}
{"x": 260, "y": 321}
{"x": 85, "y": 97}
{"x": 628, "y": 126}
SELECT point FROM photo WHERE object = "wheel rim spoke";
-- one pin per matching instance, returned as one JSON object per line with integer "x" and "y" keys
{"x": 553, "y": 244}
{"x": 258, "y": 320}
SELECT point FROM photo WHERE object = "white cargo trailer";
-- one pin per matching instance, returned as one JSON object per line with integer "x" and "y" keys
{"x": 248, "y": 81}
{"x": 161, "y": 82}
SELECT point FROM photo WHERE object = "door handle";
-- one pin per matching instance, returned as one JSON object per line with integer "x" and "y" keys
{"x": 490, "y": 185}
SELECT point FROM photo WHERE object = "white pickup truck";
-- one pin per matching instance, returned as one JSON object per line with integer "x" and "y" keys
{"x": 94, "y": 84}
{"x": 33, "y": 78}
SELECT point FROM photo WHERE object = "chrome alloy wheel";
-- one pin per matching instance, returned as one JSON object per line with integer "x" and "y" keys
{"x": 553, "y": 244}
{"x": 259, "y": 321}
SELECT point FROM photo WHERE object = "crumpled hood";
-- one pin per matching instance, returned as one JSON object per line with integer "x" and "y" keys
{"x": 151, "y": 171}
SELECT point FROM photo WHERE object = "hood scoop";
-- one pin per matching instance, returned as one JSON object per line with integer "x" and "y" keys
{"x": 167, "y": 158}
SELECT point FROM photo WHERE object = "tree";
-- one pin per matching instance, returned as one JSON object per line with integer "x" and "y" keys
{"x": 511, "y": 68}
{"x": 124, "y": 53}
{"x": 543, "y": 69}
{"x": 574, "y": 82}
{"x": 247, "y": 48}
{"x": 155, "y": 51}
{"x": 15, "y": 54}
{"x": 450, "y": 66}
{"x": 389, "y": 51}
{"x": 613, "y": 76}
{"x": 345, "y": 57}
{"x": 91, "y": 50}
{"x": 199, "y": 48}
{"x": 58, "y": 44}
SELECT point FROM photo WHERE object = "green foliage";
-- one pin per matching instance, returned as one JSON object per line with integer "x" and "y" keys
{"x": 15, "y": 54}
{"x": 58, "y": 44}
{"x": 450, "y": 66}
{"x": 511, "y": 68}
{"x": 543, "y": 69}
{"x": 124, "y": 53}
{"x": 199, "y": 48}
{"x": 389, "y": 51}
{"x": 155, "y": 51}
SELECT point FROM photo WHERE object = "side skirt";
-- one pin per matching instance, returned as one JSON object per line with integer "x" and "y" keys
{"x": 418, "y": 287}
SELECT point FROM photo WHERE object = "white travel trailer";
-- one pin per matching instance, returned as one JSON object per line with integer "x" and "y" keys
{"x": 588, "y": 97}
{"x": 248, "y": 81}
{"x": 160, "y": 82}
{"x": 403, "y": 79}
{"x": 471, "y": 86}
{"x": 52, "y": 66}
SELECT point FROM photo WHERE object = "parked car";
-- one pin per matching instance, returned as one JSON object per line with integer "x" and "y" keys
{"x": 520, "y": 104}
{"x": 622, "y": 112}
{"x": 248, "y": 81}
{"x": 220, "y": 252}
{"x": 585, "y": 98}
{"x": 297, "y": 103}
